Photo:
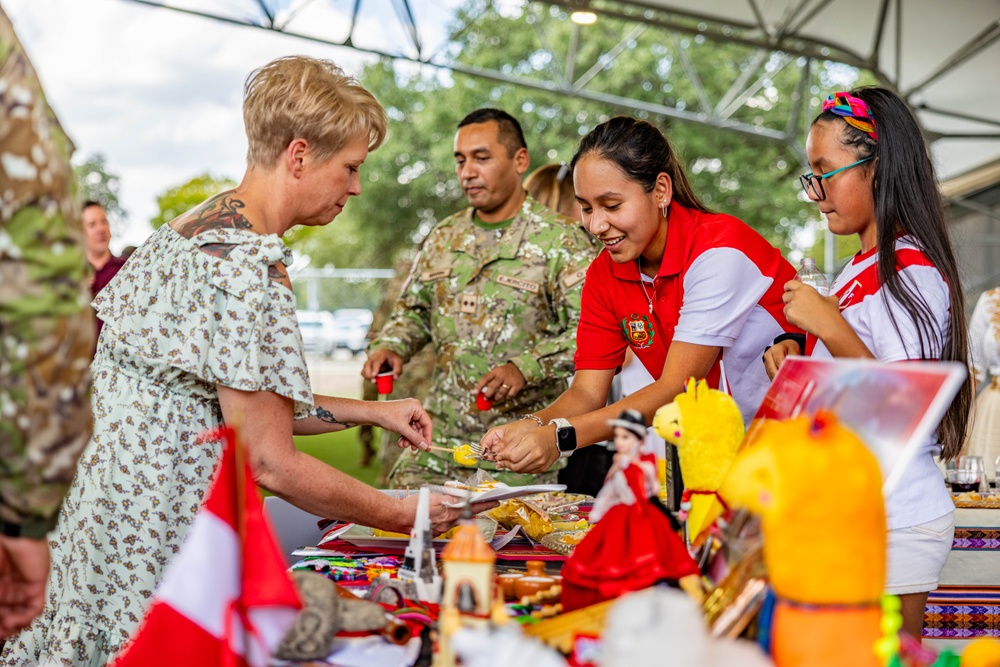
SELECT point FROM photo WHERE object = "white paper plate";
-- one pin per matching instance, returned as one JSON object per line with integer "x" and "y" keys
{"x": 363, "y": 536}
{"x": 499, "y": 492}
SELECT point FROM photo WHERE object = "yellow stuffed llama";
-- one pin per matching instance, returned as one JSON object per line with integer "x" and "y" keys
{"x": 706, "y": 427}
{"x": 818, "y": 490}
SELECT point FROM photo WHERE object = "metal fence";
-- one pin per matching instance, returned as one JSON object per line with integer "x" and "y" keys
{"x": 330, "y": 289}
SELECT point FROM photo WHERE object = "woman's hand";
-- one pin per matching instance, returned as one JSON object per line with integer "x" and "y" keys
{"x": 808, "y": 309}
{"x": 499, "y": 438}
{"x": 534, "y": 452}
{"x": 442, "y": 517}
{"x": 406, "y": 417}
{"x": 775, "y": 356}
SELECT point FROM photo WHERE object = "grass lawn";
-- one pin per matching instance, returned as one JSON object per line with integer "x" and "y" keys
{"x": 341, "y": 450}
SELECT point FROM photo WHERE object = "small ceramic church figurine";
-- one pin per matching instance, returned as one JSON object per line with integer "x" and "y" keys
{"x": 470, "y": 595}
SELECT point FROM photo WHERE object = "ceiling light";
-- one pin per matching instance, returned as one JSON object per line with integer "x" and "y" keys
{"x": 583, "y": 18}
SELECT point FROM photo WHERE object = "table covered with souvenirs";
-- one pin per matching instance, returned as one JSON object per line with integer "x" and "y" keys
{"x": 754, "y": 564}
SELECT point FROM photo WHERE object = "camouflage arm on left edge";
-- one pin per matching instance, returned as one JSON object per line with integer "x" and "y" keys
{"x": 46, "y": 325}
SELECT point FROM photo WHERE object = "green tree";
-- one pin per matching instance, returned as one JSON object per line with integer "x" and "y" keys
{"x": 182, "y": 198}
{"x": 409, "y": 183}
{"x": 95, "y": 183}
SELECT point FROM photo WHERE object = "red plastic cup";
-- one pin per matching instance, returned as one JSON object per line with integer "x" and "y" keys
{"x": 483, "y": 402}
{"x": 384, "y": 383}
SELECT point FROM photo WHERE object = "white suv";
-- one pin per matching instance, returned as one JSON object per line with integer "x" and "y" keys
{"x": 318, "y": 329}
{"x": 351, "y": 330}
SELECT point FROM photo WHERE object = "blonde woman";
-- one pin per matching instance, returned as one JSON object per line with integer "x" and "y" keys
{"x": 200, "y": 329}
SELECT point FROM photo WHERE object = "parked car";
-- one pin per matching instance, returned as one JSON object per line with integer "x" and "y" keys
{"x": 351, "y": 330}
{"x": 318, "y": 329}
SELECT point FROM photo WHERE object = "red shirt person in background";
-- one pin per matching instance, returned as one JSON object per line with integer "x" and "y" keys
{"x": 97, "y": 237}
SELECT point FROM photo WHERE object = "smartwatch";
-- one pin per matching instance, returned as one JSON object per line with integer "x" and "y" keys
{"x": 565, "y": 437}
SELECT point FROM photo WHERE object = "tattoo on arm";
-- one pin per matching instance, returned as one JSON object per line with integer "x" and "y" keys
{"x": 325, "y": 415}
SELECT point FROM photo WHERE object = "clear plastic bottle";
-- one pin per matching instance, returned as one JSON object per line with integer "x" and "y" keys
{"x": 809, "y": 274}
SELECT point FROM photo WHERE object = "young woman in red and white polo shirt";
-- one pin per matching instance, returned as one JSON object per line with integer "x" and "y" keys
{"x": 899, "y": 298}
{"x": 691, "y": 292}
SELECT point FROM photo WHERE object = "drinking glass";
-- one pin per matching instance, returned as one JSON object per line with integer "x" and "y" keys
{"x": 973, "y": 473}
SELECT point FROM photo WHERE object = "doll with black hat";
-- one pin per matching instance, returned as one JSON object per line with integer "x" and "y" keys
{"x": 633, "y": 544}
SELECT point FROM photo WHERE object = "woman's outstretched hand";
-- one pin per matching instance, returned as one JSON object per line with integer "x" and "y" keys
{"x": 408, "y": 418}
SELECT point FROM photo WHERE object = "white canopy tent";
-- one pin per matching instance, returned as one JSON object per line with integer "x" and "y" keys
{"x": 943, "y": 57}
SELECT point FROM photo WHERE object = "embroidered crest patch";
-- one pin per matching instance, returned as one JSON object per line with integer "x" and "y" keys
{"x": 638, "y": 331}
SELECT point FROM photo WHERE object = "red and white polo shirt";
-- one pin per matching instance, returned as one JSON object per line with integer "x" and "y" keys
{"x": 920, "y": 496}
{"x": 719, "y": 284}
{"x": 866, "y": 306}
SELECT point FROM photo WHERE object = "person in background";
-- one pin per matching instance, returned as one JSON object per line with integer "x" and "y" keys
{"x": 982, "y": 437}
{"x": 686, "y": 288}
{"x": 200, "y": 330}
{"x": 412, "y": 383}
{"x": 552, "y": 185}
{"x": 496, "y": 291}
{"x": 46, "y": 333}
{"x": 97, "y": 240}
{"x": 899, "y": 298}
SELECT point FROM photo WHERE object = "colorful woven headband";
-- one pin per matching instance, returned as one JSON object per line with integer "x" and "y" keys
{"x": 853, "y": 110}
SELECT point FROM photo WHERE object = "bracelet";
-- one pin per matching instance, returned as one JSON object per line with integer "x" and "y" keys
{"x": 535, "y": 417}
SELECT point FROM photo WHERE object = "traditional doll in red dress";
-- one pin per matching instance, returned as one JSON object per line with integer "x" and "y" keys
{"x": 634, "y": 543}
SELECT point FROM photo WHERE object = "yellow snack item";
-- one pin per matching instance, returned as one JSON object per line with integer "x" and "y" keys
{"x": 580, "y": 524}
{"x": 464, "y": 455}
{"x": 386, "y": 533}
{"x": 534, "y": 522}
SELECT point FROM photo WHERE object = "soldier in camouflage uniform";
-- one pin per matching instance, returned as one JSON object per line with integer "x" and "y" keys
{"x": 496, "y": 290}
{"x": 46, "y": 327}
{"x": 412, "y": 383}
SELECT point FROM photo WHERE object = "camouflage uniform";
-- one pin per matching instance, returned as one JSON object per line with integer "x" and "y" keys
{"x": 483, "y": 298}
{"x": 413, "y": 383}
{"x": 46, "y": 326}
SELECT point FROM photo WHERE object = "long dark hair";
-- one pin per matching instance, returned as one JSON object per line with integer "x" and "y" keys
{"x": 642, "y": 153}
{"x": 907, "y": 201}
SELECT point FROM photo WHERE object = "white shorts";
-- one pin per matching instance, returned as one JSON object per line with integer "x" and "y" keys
{"x": 916, "y": 555}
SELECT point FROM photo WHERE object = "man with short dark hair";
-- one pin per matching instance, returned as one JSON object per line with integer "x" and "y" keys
{"x": 496, "y": 291}
{"x": 97, "y": 240}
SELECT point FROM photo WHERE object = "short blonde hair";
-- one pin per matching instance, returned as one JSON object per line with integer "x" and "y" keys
{"x": 547, "y": 188}
{"x": 309, "y": 98}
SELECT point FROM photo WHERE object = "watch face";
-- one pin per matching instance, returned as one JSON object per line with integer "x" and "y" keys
{"x": 566, "y": 438}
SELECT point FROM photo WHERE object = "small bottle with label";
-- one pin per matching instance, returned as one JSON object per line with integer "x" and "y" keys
{"x": 809, "y": 274}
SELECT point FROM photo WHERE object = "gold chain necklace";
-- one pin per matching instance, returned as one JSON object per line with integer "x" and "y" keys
{"x": 642, "y": 286}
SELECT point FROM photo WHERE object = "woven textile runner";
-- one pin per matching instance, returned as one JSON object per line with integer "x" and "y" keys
{"x": 962, "y": 612}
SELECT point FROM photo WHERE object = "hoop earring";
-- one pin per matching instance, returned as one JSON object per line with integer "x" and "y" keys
{"x": 663, "y": 209}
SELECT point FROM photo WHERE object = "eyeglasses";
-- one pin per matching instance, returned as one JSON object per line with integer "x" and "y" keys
{"x": 813, "y": 183}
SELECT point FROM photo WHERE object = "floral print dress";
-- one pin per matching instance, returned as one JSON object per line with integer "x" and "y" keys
{"x": 178, "y": 321}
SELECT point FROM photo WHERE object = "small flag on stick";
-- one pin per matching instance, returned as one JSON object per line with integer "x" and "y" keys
{"x": 225, "y": 599}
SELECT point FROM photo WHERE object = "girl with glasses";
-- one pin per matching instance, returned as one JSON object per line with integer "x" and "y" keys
{"x": 899, "y": 298}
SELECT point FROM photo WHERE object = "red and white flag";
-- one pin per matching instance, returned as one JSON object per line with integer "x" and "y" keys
{"x": 225, "y": 599}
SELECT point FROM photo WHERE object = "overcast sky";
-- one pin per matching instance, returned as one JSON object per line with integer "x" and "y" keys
{"x": 158, "y": 92}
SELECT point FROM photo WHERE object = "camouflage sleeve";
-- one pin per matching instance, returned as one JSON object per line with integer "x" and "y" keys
{"x": 553, "y": 356}
{"x": 46, "y": 326}
{"x": 408, "y": 328}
